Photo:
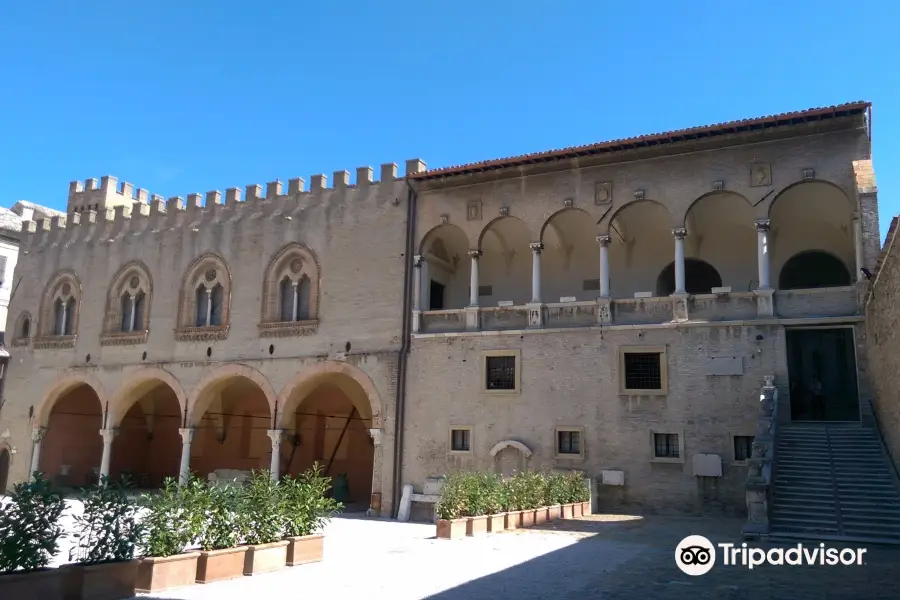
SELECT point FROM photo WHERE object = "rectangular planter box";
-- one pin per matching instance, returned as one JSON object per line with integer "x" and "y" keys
{"x": 102, "y": 581}
{"x": 586, "y": 508}
{"x": 477, "y": 525}
{"x": 568, "y": 511}
{"x": 41, "y": 584}
{"x": 265, "y": 558}
{"x": 305, "y": 549}
{"x": 497, "y": 523}
{"x": 528, "y": 517}
{"x": 553, "y": 512}
{"x": 576, "y": 510}
{"x": 540, "y": 515}
{"x": 167, "y": 572}
{"x": 451, "y": 529}
{"x": 218, "y": 565}
{"x": 513, "y": 519}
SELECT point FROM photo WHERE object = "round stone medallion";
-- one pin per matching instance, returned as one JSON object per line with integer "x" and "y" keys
{"x": 134, "y": 282}
{"x": 66, "y": 289}
{"x": 210, "y": 274}
{"x": 296, "y": 265}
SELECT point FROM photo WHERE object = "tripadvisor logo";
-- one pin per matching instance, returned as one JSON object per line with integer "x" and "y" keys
{"x": 696, "y": 555}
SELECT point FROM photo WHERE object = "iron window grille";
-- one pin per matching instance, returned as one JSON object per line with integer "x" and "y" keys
{"x": 743, "y": 447}
{"x": 568, "y": 442}
{"x": 665, "y": 445}
{"x": 460, "y": 440}
{"x": 643, "y": 371}
{"x": 500, "y": 373}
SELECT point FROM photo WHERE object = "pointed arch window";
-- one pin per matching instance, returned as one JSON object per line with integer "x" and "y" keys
{"x": 22, "y": 331}
{"x": 290, "y": 293}
{"x": 205, "y": 303}
{"x": 60, "y": 307}
{"x": 127, "y": 319}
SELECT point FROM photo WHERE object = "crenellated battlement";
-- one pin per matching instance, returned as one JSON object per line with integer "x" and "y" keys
{"x": 104, "y": 210}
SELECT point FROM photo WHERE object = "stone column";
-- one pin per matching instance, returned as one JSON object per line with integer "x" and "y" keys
{"x": 679, "y": 235}
{"x": 275, "y": 463}
{"x": 536, "y": 272}
{"x": 425, "y": 294}
{"x": 417, "y": 293}
{"x": 296, "y": 306}
{"x": 858, "y": 247}
{"x": 184, "y": 471}
{"x": 108, "y": 436}
{"x": 37, "y": 436}
{"x": 132, "y": 315}
{"x": 473, "y": 278}
{"x": 208, "y": 307}
{"x": 604, "y": 241}
{"x": 762, "y": 254}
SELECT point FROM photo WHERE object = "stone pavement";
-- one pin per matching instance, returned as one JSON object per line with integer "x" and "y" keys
{"x": 603, "y": 557}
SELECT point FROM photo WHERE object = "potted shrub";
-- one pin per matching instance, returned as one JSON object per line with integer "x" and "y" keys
{"x": 220, "y": 556}
{"x": 451, "y": 507}
{"x": 556, "y": 494}
{"x": 534, "y": 493}
{"x": 306, "y": 508}
{"x": 108, "y": 533}
{"x": 172, "y": 521}
{"x": 578, "y": 493}
{"x": 509, "y": 504}
{"x": 477, "y": 504}
{"x": 260, "y": 509}
{"x": 29, "y": 538}
{"x": 492, "y": 491}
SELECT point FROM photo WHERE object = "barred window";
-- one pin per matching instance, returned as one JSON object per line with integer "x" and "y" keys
{"x": 643, "y": 371}
{"x": 743, "y": 447}
{"x": 568, "y": 442}
{"x": 665, "y": 445}
{"x": 460, "y": 440}
{"x": 500, "y": 373}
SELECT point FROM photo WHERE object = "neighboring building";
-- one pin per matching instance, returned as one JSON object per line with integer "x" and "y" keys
{"x": 612, "y": 308}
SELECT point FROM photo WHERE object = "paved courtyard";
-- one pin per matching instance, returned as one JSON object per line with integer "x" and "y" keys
{"x": 602, "y": 557}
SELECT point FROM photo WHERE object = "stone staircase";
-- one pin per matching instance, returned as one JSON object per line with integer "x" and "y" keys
{"x": 834, "y": 482}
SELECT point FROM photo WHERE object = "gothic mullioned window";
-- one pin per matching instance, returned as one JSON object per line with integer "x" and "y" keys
{"x": 127, "y": 318}
{"x": 205, "y": 304}
{"x": 290, "y": 293}
{"x": 60, "y": 306}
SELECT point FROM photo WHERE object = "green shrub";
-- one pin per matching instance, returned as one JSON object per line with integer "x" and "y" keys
{"x": 485, "y": 489}
{"x": 109, "y": 529}
{"x": 454, "y": 499}
{"x": 575, "y": 488}
{"x": 557, "y": 488}
{"x": 173, "y": 519}
{"x": 29, "y": 526}
{"x": 260, "y": 509}
{"x": 305, "y": 504}
{"x": 222, "y": 523}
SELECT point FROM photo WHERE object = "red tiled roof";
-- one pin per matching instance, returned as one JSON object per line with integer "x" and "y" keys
{"x": 654, "y": 139}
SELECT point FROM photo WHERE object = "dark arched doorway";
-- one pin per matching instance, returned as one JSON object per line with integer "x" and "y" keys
{"x": 813, "y": 269}
{"x": 4, "y": 470}
{"x": 700, "y": 277}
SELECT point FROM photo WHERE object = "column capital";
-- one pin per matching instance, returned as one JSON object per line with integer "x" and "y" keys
{"x": 680, "y": 233}
{"x": 855, "y": 216}
{"x": 476, "y": 254}
{"x": 38, "y": 433}
{"x": 375, "y": 434}
{"x": 536, "y": 247}
{"x": 187, "y": 434}
{"x": 275, "y": 435}
{"x": 604, "y": 240}
{"x": 109, "y": 435}
{"x": 418, "y": 259}
{"x": 763, "y": 225}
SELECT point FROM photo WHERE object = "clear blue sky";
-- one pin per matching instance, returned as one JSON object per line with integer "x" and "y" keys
{"x": 189, "y": 96}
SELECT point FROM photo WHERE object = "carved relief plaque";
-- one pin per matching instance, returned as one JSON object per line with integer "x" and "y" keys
{"x": 474, "y": 210}
{"x": 760, "y": 175}
{"x": 603, "y": 193}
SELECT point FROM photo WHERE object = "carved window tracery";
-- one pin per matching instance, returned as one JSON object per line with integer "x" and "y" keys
{"x": 127, "y": 317}
{"x": 205, "y": 304}
{"x": 291, "y": 293}
{"x": 60, "y": 306}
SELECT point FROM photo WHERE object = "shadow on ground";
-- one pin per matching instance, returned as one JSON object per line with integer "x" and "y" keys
{"x": 621, "y": 557}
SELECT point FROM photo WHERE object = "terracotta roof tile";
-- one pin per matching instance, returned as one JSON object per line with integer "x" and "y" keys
{"x": 653, "y": 139}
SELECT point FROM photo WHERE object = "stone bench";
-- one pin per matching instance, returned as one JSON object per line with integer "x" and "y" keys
{"x": 431, "y": 493}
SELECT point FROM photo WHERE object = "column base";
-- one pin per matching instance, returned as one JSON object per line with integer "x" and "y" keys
{"x": 604, "y": 310}
{"x": 680, "y": 307}
{"x": 535, "y": 314}
{"x": 417, "y": 321}
{"x": 765, "y": 302}
{"x": 473, "y": 318}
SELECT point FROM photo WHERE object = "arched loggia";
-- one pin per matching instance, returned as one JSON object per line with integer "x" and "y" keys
{"x": 813, "y": 269}
{"x": 700, "y": 277}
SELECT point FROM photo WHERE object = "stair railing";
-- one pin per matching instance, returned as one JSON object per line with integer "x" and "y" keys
{"x": 759, "y": 484}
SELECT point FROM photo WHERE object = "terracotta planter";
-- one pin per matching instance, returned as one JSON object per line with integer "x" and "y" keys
{"x": 528, "y": 517}
{"x": 166, "y": 572}
{"x": 218, "y": 565}
{"x": 576, "y": 510}
{"x": 102, "y": 581}
{"x": 265, "y": 558}
{"x": 586, "y": 508}
{"x": 568, "y": 511}
{"x": 451, "y": 529}
{"x": 513, "y": 519}
{"x": 497, "y": 523}
{"x": 43, "y": 583}
{"x": 305, "y": 549}
{"x": 554, "y": 512}
{"x": 477, "y": 525}
{"x": 540, "y": 515}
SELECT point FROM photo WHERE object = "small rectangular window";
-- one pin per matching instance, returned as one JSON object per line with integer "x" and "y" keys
{"x": 665, "y": 445}
{"x": 461, "y": 440}
{"x": 743, "y": 447}
{"x": 500, "y": 372}
{"x": 643, "y": 371}
{"x": 568, "y": 442}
